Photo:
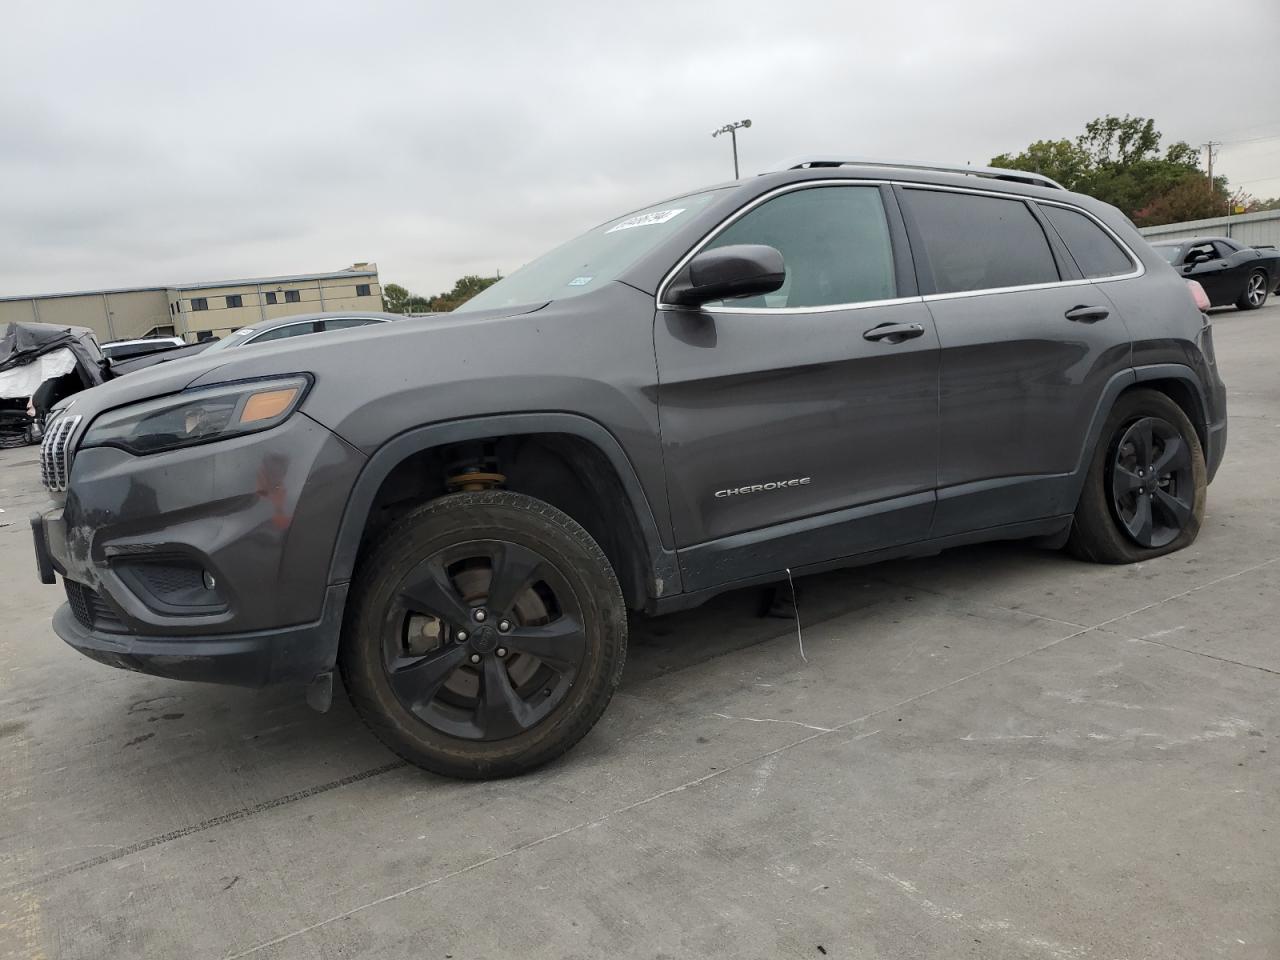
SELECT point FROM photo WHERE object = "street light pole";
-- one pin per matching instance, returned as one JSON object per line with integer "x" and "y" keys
{"x": 732, "y": 130}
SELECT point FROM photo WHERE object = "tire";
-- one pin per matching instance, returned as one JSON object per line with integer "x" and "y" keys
{"x": 1111, "y": 504}
{"x": 493, "y": 694}
{"x": 1255, "y": 291}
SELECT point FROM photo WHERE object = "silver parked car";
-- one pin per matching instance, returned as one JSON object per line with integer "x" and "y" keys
{"x": 264, "y": 332}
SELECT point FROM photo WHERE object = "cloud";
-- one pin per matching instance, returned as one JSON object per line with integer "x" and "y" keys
{"x": 156, "y": 142}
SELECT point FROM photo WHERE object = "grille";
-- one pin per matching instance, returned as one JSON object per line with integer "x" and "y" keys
{"x": 90, "y": 610}
{"x": 55, "y": 452}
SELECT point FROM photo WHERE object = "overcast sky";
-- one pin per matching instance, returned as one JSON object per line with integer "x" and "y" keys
{"x": 144, "y": 143}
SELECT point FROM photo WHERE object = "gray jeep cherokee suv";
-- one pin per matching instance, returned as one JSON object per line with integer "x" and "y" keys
{"x": 830, "y": 364}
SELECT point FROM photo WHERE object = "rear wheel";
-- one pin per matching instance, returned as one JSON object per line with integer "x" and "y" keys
{"x": 485, "y": 635}
{"x": 1144, "y": 495}
{"x": 1255, "y": 291}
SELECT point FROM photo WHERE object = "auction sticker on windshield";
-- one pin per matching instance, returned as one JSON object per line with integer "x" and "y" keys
{"x": 646, "y": 219}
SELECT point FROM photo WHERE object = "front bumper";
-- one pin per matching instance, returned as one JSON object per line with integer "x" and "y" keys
{"x": 287, "y": 655}
{"x": 204, "y": 563}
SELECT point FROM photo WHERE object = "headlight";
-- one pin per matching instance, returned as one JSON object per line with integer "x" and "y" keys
{"x": 198, "y": 416}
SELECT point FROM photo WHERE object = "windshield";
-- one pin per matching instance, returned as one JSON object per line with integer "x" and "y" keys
{"x": 1169, "y": 251}
{"x": 593, "y": 259}
{"x": 231, "y": 339}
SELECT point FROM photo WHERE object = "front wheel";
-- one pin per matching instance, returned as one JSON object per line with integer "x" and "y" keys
{"x": 1144, "y": 494}
{"x": 485, "y": 635}
{"x": 1255, "y": 292}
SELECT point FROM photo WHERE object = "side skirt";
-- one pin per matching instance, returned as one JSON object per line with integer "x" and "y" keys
{"x": 1050, "y": 532}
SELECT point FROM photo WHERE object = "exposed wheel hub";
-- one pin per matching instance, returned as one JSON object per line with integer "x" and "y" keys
{"x": 484, "y": 639}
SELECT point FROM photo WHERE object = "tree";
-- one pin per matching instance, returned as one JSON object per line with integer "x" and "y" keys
{"x": 394, "y": 297}
{"x": 1061, "y": 160}
{"x": 1111, "y": 141}
{"x": 1118, "y": 160}
{"x": 397, "y": 299}
{"x": 1189, "y": 199}
{"x": 463, "y": 290}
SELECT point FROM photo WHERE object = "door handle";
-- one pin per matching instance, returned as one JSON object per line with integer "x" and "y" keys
{"x": 894, "y": 332}
{"x": 1087, "y": 314}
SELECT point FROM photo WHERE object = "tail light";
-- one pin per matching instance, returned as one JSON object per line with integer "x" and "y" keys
{"x": 1205, "y": 336}
{"x": 1198, "y": 295}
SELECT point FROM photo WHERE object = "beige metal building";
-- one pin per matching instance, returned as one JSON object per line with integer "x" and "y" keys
{"x": 193, "y": 310}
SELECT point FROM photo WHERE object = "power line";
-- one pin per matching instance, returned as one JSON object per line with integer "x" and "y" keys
{"x": 1269, "y": 125}
{"x": 1274, "y": 136}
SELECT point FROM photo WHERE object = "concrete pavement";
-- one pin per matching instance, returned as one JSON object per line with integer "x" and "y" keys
{"x": 997, "y": 752}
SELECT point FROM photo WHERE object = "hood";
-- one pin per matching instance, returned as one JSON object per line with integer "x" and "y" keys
{"x": 319, "y": 351}
{"x": 344, "y": 348}
{"x": 144, "y": 385}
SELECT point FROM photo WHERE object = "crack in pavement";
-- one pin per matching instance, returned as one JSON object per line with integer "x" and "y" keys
{"x": 807, "y": 726}
{"x": 1200, "y": 653}
{"x": 234, "y": 815}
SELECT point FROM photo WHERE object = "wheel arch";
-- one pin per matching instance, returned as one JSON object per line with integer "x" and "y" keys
{"x": 645, "y": 567}
{"x": 1175, "y": 380}
{"x": 1182, "y": 386}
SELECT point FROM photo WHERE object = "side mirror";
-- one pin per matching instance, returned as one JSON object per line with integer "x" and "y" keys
{"x": 742, "y": 270}
{"x": 1197, "y": 258}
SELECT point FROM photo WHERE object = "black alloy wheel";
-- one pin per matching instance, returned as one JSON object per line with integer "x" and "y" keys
{"x": 485, "y": 633}
{"x": 484, "y": 640}
{"x": 1152, "y": 487}
{"x": 1144, "y": 492}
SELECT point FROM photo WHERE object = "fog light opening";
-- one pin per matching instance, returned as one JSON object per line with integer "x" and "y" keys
{"x": 210, "y": 582}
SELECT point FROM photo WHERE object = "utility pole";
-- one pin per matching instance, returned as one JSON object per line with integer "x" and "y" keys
{"x": 732, "y": 130}
{"x": 1209, "y": 156}
{"x": 1209, "y": 150}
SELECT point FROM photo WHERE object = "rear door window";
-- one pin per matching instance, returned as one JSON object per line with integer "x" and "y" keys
{"x": 1094, "y": 251}
{"x": 977, "y": 242}
{"x": 292, "y": 330}
{"x": 344, "y": 323}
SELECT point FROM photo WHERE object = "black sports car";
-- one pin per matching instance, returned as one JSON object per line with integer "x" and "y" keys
{"x": 1229, "y": 271}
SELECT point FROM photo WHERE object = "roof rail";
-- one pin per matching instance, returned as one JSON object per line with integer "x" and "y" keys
{"x": 994, "y": 173}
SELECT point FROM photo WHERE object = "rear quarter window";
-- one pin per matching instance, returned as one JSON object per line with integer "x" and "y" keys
{"x": 1094, "y": 251}
{"x": 977, "y": 242}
